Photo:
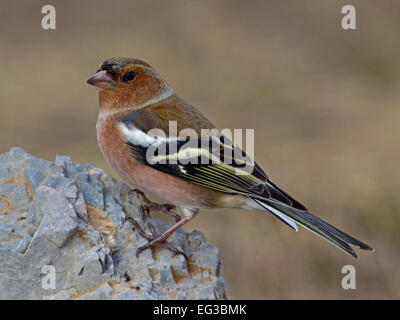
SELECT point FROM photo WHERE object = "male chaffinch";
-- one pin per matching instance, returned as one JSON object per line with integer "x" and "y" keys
{"x": 134, "y": 101}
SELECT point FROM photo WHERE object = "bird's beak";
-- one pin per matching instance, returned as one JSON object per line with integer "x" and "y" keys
{"x": 102, "y": 80}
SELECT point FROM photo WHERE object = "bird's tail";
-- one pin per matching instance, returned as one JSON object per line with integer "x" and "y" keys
{"x": 293, "y": 216}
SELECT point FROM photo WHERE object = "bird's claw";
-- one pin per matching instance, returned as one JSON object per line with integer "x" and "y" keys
{"x": 154, "y": 239}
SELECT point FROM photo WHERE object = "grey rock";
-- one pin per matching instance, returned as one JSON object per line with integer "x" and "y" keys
{"x": 65, "y": 234}
{"x": 59, "y": 220}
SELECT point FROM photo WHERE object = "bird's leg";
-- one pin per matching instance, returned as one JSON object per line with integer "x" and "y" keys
{"x": 162, "y": 238}
{"x": 166, "y": 242}
{"x": 149, "y": 238}
{"x": 139, "y": 229}
{"x": 149, "y": 206}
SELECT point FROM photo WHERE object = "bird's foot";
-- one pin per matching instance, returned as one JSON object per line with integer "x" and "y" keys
{"x": 154, "y": 239}
{"x": 150, "y": 206}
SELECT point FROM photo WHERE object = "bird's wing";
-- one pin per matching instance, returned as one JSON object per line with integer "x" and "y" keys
{"x": 210, "y": 160}
{"x": 213, "y": 161}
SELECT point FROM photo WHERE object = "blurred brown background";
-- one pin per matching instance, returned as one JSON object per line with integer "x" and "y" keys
{"x": 324, "y": 103}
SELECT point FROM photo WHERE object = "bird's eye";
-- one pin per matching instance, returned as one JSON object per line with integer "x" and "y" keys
{"x": 129, "y": 76}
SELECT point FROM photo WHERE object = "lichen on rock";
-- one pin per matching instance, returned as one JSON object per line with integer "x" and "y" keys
{"x": 74, "y": 218}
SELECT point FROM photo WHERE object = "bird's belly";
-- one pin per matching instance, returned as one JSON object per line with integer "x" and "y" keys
{"x": 167, "y": 188}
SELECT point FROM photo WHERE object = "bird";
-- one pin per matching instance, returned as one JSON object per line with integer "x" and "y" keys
{"x": 139, "y": 131}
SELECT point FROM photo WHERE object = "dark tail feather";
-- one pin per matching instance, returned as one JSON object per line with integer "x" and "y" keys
{"x": 316, "y": 225}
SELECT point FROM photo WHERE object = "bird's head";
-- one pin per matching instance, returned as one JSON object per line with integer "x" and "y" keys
{"x": 127, "y": 82}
